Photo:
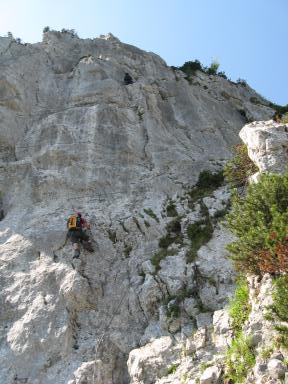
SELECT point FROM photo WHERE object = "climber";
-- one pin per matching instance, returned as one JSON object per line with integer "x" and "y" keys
{"x": 77, "y": 227}
{"x": 128, "y": 79}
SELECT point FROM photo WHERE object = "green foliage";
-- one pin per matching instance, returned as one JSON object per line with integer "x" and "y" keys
{"x": 174, "y": 226}
{"x": 222, "y": 74}
{"x": 46, "y": 29}
{"x": 213, "y": 69}
{"x": 222, "y": 212}
{"x": 279, "y": 108}
{"x": 199, "y": 233}
{"x": 173, "y": 235}
{"x": 278, "y": 310}
{"x": 240, "y": 358}
{"x": 112, "y": 236}
{"x": 160, "y": 255}
{"x": 71, "y": 32}
{"x": 127, "y": 250}
{"x": 206, "y": 184}
{"x": 142, "y": 274}
{"x": 172, "y": 303}
{"x": 259, "y": 221}
{"x": 254, "y": 100}
{"x": 239, "y": 307}
{"x": 242, "y": 82}
{"x": 150, "y": 213}
{"x": 173, "y": 309}
{"x": 190, "y": 67}
{"x": 184, "y": 378}
{"x": 240, "y": 168}
{"x": 171, "y": 210}
{"x": 147, "y": 224}
{"x": 172, "y": 369}
{"x": 266, "y": 352}
{"x": 166, "y": 240}
{"x": 208, "y": 179}
{"x": 284, "y": 119}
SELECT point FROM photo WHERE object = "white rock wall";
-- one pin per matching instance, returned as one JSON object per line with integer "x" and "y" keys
{"x": 73, "y": 137}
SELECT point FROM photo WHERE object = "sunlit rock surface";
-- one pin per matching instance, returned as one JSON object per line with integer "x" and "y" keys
{"x": 73, "y": 137}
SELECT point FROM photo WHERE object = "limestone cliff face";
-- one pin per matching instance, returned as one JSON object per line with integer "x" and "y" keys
{"x": 73, "y": 137}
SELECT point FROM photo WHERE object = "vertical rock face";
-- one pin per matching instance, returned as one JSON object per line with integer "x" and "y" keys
{"x": 74, "y": 137}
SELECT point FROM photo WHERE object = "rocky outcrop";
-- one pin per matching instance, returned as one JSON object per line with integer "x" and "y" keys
{"x": 73, "y": 137}
{"x": 267, "y": 143}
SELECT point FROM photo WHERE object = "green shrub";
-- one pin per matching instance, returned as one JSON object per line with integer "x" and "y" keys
{"x": 112, "y": 236}
{"x": 213, "y": 69}
{"x": 160, "y": 255}
{"x": 222, "y": 212}
{"x": 208, "y": 179}
{"x": 266, "y": 352}
{"x": 240, "y": 358}
{"x": 147, "y": 224}
{"x": 166, "y": 240}
{"x": 254, "y": 100}
{"x": 173, "y": 309}
{"x": 242, "y": 82}
{"x": 172, "y": 369}
{"x": 127, "y": 250}
{"x": 199, "y": 233}
{"x": 239, "y": 307}
{"x": 284, "y": 119}
{"x": 171, "y": 210}
{"x": 206, "y": 184}
{"x": 190, "y": 67}
{"x": 278, "y": 310}
{"x": 240, "y": 168}
{"x": 222, "y": 74}
{"x": 169, "y": 239}
{"x": 173, "y": 235}
{"x": 174, "y": 226}
{"x": 260, "y": 222}
{"x": 150, "y": 213}
{"x": 279, "y": 108}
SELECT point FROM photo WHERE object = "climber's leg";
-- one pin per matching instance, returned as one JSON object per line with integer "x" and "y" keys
{"x": 76, "y": 247}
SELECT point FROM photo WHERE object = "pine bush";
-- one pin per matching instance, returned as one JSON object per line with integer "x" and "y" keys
{"x": 260, "y": 223}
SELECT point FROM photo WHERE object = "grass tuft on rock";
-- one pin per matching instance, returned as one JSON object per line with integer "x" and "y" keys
{"x": 150, "y": 213}
{"x": 199, "y": 233}
{"x": 171, "y": 210}
{"x": 240, "y": 358}
{"x": 160, "y": 255}
{"x": 207, "y": 183}
{"x": 239, "y": 307}
{"x": 278, "y": 310}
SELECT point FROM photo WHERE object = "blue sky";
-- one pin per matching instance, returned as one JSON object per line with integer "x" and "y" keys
{"x": 247, "y": 37}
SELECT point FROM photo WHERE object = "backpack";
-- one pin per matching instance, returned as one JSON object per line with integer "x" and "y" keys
{"x": 74, "y": 222}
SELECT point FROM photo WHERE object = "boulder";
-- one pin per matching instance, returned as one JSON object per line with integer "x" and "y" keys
{"x": 267, "y": 144}
{"x": 211, "y": 375}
